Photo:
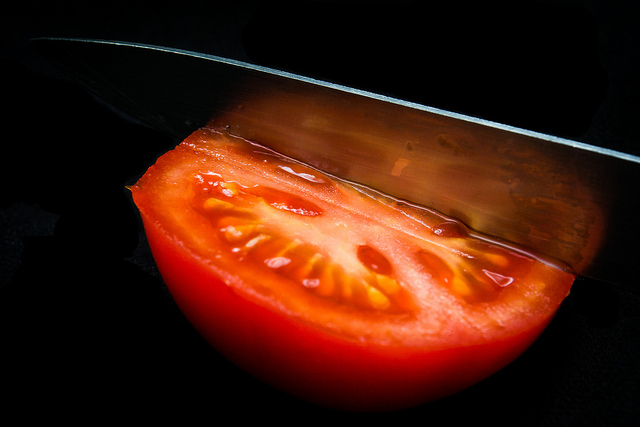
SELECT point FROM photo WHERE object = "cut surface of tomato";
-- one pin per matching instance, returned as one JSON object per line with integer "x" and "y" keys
{"x": 331, "y": 291}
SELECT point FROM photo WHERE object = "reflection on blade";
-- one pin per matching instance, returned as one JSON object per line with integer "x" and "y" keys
{"x": 569, "y": 201}
{"x": 499, "y": 183}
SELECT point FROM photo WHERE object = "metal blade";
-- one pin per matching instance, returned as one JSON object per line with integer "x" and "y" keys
{"x": 573, "y": 203}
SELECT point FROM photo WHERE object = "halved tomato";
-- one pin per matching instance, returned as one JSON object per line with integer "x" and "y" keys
{"x": 332, "y": 292}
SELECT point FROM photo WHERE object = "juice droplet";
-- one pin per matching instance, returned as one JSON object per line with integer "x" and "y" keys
{"x": 277, "y": 262}
{"x": 499, "y": 279}
{"x": 311, "y": 283}
{"x": 450, "y": 229}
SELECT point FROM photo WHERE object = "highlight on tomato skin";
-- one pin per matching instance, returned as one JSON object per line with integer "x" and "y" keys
{"x": 332, "y": 293}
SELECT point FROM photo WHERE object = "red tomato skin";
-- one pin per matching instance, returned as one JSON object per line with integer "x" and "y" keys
{"x": 312, "y": 364}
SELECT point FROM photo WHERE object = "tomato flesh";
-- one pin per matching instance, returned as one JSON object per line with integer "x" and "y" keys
{"x": 332, "y": 292}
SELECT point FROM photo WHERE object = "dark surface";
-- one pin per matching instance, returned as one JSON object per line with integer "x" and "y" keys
{"x": 86, "y": 322}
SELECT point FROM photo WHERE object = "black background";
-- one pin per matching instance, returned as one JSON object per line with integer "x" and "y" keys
{"x": 88, "y": 329}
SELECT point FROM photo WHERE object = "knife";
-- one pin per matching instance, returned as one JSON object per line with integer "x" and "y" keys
{"x": 572, "y": 204}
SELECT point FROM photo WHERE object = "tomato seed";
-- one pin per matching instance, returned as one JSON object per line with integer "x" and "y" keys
{"x": 215, "y": 204}
{"x": 327, "y": 282}
{"x": 435, "y": 265}
{"x": 377, "y": 299}
{"x": 387, "y": 284}
{"x": 234, "y": 234}
{"x": 229, "y": 189}
{"x": 256, "y": 241}
{"x": 287, "y": 202}
{"x": 374, "y": 260}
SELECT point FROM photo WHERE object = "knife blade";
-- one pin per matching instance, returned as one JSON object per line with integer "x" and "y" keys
{"x": 573, "y": 204}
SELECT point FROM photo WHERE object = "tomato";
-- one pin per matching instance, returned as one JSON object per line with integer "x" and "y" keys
{"x": 332, "y": 292}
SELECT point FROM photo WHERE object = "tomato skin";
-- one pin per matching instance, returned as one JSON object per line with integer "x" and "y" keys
{"x": 316, "y": 365}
